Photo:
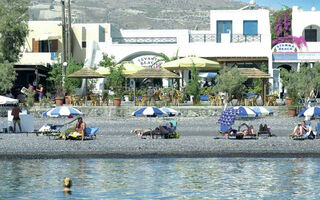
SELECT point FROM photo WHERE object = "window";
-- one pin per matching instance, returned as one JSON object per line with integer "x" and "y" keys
{"x": 223, "y": 27}
{"x": 310, "y": 35}
{"x": 250, "y": 27}
{"x": 84, "y": 44}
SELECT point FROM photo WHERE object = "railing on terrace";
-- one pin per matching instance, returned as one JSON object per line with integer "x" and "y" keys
{"x": 235, "y": 38}
{"x": 145, "y": 40}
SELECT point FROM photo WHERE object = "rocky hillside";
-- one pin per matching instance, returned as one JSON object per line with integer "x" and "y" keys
{"x": 136, "y": 14}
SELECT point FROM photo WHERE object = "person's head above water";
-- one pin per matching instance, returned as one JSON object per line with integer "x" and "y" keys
{"x": 67, "y": 183}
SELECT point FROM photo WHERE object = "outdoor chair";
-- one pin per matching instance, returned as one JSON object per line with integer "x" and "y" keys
{"x": 139, "y": 101}
{"x": 212, "y": 99}
{"x": 271, "y": 100}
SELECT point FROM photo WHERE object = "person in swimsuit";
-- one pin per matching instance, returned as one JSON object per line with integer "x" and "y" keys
{"x": 40, "y": 91}
{"x": 81, "y": 127}
{"x": 66, "y": 184}
{"x": 16, "y": 119}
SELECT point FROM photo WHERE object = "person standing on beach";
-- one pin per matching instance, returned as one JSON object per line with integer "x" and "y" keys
{"x": 16, "y": 118}
{"x": 40, "y": 91}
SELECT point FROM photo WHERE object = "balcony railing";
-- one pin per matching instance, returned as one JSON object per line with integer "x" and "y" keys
{"x": 235, "y": 38}
{"x": 145, "y": 40}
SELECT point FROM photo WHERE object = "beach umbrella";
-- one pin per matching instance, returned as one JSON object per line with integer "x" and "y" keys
{"x": 170, "y": 111}
{"x": 149, "y": 111}
{"x": 228, "y": 116}
{"x": 310, "y": 112}
{"x": 260, "y": 110}
{"x": 245, "y": 111}
{"x": 129, "y": 68}
{"x": 62, "y": 111}
{"x": 187, "y": 63}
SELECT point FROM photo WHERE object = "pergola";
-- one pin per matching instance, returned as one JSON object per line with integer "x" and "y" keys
{"x": 151, "y": 73}
{"x": 255, "y": 73}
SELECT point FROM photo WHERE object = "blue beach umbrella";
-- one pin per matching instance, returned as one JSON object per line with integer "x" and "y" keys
{"x": 245, "y": 111}
{"x": 170, "y": 111}
{"x": 62, "y": 111}
{"x": 150, "y": 111}
{"x": 260, "y": 110}
{"x": 310, "y": 112}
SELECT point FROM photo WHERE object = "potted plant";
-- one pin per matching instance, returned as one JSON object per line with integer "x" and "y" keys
{"x": 115, "y": 80}
{"x": 194, "y": 86}
{"x": 292, "y": 110}
{"x": 59, "y": 98}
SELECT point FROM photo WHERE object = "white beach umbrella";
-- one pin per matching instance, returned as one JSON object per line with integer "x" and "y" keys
{"x": 6, "y": 100}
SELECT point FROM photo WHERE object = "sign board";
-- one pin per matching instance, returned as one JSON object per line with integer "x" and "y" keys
{"x": 147, "y": 61}
{"x": 309, "y": 56}
{"x": 290, "y": 56}
{"x": 285, "y": 47}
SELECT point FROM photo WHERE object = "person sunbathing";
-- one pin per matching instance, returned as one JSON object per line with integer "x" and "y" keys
{"x": 300, "y": 129}
{"x": 165, "y": 130}
{"x": 249, "y": 131}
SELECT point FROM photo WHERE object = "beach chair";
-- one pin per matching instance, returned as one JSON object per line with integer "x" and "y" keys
{"x": 49, "y": 130}
{"x": 232, "y": 134}
{"x": 90, "y": 133}
{"x": 264, "y": 130}
{"x": 158, "y": 132}
{"x": 307, "y": 135}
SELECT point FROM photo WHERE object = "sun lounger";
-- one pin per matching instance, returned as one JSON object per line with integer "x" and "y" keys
{"x": 90, "y": 133}
{"x": 308, "y": 135}
{"x": 163, "y": 132}
{"x": 49, "y": 130}
{"x": 238, "y": 134}
{"x": 264, "y": 130}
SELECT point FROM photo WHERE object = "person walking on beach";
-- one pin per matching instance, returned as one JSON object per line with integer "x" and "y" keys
{"x": 40, "y": 91}
{"x": 16, "y": 118}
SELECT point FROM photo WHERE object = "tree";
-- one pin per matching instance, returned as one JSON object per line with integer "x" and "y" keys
{"x": 194, "y": 85}
{"x": 164, "y": 58}
{"x": 8, "y": 76}
{"x": 72, "y": 83}
{"x": 13, "y": 27}
{"x": 115, "y": 80}
{"x": 231, "y": 82}
{"x": 55, "y": 76}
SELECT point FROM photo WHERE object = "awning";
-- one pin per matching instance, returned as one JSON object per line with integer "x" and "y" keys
{"x": 254, "y": 73}
{"x": 48, "y": 36}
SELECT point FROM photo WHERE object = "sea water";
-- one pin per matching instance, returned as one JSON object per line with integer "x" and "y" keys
{"x": 210, "y": 178}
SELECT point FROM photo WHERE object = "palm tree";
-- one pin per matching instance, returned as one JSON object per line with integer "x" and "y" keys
{"x": 164, "y": 58}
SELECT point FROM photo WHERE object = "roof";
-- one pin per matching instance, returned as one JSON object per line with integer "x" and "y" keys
{"x": 254, "y": 73}
{"x": 85, "y": 72}
{"x": 153, "y": 73}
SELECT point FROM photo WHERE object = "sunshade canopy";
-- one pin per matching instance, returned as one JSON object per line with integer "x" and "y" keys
{"x": 188, "y": 62}
{"x": 254, "y": 73}
{"x": 85, "y": 72}
{"x": 6, "y": 100}
{"x": 153, "y": 73}
{"x": 48, "y": 36}
{"x": 129, "y": 68}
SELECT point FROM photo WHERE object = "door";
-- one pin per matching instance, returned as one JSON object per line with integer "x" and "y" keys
{"x": 224, "y": 27}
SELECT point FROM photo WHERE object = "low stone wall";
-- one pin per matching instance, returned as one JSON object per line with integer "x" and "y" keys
{"x": 111, "y": 112}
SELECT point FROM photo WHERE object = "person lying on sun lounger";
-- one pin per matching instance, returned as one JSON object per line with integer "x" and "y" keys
{"x": 300, "y": 129}
{"x": 248, "y": 131}
{"x": 165, "y": 130}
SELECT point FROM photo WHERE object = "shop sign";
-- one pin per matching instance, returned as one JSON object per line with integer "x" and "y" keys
{"x": 285, "y": 47}
{"x": 147, "y": 61}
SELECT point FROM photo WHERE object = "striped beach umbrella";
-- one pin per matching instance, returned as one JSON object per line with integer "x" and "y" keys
{"x": 62, "y": 111}
{"x": 150, "y": 111}
{"x": 260, "y": 110}
{"x": 170, "y": 111}
{"x": 245, "y": 111}
{"x": 310, "y": 112}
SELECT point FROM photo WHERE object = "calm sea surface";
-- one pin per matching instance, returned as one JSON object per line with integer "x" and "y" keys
{"x": 212, "y": 178}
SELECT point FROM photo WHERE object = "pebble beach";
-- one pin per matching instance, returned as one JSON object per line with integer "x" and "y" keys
{"x": 199, "y": 138}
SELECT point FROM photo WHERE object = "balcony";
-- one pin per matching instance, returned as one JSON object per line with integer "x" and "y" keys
{"x": 35, "y": 58}
{"x": 145, "y": 40}
{"x": 235, "y": 38}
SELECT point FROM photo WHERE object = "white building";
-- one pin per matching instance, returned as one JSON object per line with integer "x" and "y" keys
{"x": 236, "y": 37}
{"x": 289, "y": 56}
